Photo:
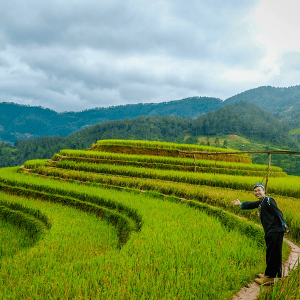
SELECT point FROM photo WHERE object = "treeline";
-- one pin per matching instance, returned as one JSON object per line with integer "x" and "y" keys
{"x": 7, "y": 155}
{"x": 142, "y": 128}
{"x": 282, "y": 103}
{"x": 23, "y": 122}
{"x": 242, "y": 118}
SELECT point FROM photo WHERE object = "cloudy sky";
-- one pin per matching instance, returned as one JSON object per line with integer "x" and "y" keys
{"x": 76, "y": 55}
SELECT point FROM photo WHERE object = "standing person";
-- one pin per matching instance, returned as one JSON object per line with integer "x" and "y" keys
{"x": 274, "y": 226}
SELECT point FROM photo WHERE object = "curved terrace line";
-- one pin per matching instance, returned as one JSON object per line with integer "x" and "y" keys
{"x": 244, "y": 152}
{"x": 124, "y": 223}
{"x": 251, "y": 291}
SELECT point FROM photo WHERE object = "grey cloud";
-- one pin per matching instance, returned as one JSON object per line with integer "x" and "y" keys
{"x": 177, "y": 28}
{"x": 77, "y": 55}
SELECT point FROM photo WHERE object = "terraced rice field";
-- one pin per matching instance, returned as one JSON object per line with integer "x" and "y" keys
{"x": 98, "y": 225}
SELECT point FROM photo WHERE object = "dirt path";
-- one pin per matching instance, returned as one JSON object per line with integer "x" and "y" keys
{"x": 251, "y": 291}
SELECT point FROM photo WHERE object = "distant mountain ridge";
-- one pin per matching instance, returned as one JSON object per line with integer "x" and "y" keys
{"x": 23, "y": 122}
{"x": 282, "y": 103}
{"x": 242, "y": 118}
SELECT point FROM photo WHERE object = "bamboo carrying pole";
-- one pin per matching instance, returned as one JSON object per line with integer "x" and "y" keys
{"x": 268, "y": 172}
{"x": 242, "y": 152}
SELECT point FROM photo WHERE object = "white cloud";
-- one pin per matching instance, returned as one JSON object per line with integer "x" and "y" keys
{"x": 279, "y": 26}
{"x": 78, "y": 55}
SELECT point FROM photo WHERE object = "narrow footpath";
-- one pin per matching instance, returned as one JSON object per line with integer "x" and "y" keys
{"x": 251, "y": 291}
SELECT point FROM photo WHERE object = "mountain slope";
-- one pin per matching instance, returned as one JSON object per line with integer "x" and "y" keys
{"x": 283, "y": 103}
{"x": 23, "y": 122}
{"x": 241, "y": 118}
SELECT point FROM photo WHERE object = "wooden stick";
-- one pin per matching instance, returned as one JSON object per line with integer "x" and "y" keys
{"x": 268, "y": 172}
{"x": 240, "y": 152}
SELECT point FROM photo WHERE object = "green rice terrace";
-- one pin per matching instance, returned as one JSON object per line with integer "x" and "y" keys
{"x": 138, "y": 220}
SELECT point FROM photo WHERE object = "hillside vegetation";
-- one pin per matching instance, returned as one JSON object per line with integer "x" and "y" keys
{"x": 289, "y": 163}
{"x": 25, "y": 122}
{"x": 108, "y": 229}
{"x": 283, "y": 102}
{"x": 239, "y": 119}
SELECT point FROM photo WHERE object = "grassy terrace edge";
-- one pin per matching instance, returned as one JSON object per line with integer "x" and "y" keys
{"x": 285, "y": 186}
{"x": 166, "y": 149}
{"x": 166, "y": 163}
{"x": 162, "y": 145}
{"x": 21, "y": 217}
{"x": 125, "y": 219}
{"x": 227, "y": 218}
{"x": 18, "y": 185}
{"x": 210, "y": 195}
{"x": 191, "y": 203}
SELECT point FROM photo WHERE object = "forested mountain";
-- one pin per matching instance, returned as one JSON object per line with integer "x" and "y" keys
{"x": 23, "y": 122}
{"x": 282, "y": 103}
{"x": 241, "y": 118}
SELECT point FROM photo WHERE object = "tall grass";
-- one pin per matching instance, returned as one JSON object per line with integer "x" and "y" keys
{"x": 166, "y": 149}
{"x": 74, "y": 237}
{"x": 165, "y": 160}
{"x": 165, "y": 163}
{"x": 12, "y": 239}
{"x": 286, "y": 186}
{"x": 287, "y": 288}
{"x": 162, "y": 145}
{"x": 178, "y": 254}
{"x": 212, "y": 195}
{"x": 181, "y": 250}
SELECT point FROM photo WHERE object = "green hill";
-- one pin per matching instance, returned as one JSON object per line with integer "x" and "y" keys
{"x": 282, "y": 103}
{"x": 243, "y": 119}
{"x": 121, "y": 230}
{"x": 24, "y": 122}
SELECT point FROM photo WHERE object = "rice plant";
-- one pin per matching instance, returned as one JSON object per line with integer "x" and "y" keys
{"x": 169, "y": 258}
{"x": 171, "y": 248}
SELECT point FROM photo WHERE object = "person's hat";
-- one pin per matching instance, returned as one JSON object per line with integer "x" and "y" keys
{"x": 259, "y": 184}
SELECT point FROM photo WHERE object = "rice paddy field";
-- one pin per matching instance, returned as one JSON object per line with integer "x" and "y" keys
{"x": 135, "y": 224}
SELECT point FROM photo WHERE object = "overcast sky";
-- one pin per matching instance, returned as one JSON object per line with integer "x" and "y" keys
{"x": 76, "y": 55}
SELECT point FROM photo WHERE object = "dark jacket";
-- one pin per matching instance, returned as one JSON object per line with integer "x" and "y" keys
{"x": 270, "y": 215}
